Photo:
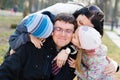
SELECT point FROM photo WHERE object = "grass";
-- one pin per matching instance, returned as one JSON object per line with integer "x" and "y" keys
{"x": 10, "y": 20}
{"x": 6, "y": 31}
{"x": 113, "y": 50}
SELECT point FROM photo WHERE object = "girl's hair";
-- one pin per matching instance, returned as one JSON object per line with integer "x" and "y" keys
{"x": 78, "y": 61}
{"x": 96, "y": 16}
{"x": 93, "y": 13}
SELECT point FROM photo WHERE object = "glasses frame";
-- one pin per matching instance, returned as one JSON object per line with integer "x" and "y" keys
{"x": 68, "y": 31}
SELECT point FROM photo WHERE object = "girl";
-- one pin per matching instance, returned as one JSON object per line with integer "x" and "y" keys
{"x": 92, "y": 55}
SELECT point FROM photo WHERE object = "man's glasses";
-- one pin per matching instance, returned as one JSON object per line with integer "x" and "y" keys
{"x": 68, "y": 31}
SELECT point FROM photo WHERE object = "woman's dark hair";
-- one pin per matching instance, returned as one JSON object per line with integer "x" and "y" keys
{"x": 93, "y": 13}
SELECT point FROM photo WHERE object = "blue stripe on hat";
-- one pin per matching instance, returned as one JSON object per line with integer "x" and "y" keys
{"x": 38, "y": 24}
{"x": 30, "y": 20}
{"x": 48, "y": 30}
{"x": 41, "y": 28}
{"x": 45, "y": 28}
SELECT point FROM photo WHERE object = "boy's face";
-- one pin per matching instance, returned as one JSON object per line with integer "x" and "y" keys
{"x": 62, "y": 34}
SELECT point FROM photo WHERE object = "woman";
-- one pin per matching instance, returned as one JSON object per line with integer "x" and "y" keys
{"x": 91, "y": 57}
{"x": 89, "y": 16}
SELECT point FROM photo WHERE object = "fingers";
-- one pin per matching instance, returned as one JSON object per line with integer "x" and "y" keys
{"x": 71, "y": 62}
{"x": 42, "y": 40}
{"x": 38, "y": 42}
{"x": 12, "y": 51}
{"x": 55, "y": 58}
{"x": 60, "y": 63}
{"x": 61, "y": 58}
{"x": 109, "y": 69}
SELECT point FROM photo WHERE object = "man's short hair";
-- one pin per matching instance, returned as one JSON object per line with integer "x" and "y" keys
{"x": 68, "y": 18}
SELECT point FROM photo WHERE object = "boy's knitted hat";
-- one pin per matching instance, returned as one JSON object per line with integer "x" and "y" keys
{"x": 89, "y": 37}
{"x": 39, "y": 25}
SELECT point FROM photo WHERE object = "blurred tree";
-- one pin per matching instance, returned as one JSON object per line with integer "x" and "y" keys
{"x": 25, "y": 8}
{"x": 8, "y": 4}
{"x": 33, "y": 5}
{"x": 3, "y": 3}
{"x": 15, "y": 1}
{"x": 101, "y": 3}
{"x": 114, "y": 15}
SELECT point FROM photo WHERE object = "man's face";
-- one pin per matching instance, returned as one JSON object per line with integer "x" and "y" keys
{"x": 62, "y": 33}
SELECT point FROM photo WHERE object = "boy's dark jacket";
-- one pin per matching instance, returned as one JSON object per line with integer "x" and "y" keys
{"x": 30, "y": 63}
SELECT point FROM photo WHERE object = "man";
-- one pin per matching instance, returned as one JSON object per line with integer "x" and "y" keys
{"x": 31, "y": 63}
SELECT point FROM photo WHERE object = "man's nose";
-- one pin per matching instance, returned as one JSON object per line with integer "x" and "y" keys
{"x": 63, "y": 33}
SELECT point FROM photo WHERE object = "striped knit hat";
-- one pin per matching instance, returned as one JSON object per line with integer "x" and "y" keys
{"x": 39, "y": 25}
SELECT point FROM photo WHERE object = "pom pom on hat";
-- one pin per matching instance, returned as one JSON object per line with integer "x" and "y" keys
{"x": 39, "y": 25}
{"x": 89, "y": 37}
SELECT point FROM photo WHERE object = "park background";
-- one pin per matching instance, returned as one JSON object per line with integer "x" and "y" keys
{"x": 12, "y": 11}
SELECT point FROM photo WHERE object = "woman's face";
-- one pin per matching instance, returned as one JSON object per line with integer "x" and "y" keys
{"x": 83, "y": 20}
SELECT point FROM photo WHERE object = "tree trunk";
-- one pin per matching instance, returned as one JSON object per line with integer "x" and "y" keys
{"x": 26, "y": 8}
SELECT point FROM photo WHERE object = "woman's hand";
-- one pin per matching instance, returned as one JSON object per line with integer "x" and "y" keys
{"x": 111, "y": 68}
{"x": 61, "y": 58}
{"x": 71, "y": 62}
{"x": 37, "y": 41}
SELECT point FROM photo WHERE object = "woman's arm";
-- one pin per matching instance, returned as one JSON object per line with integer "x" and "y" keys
{"x": 62, "y": 7}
